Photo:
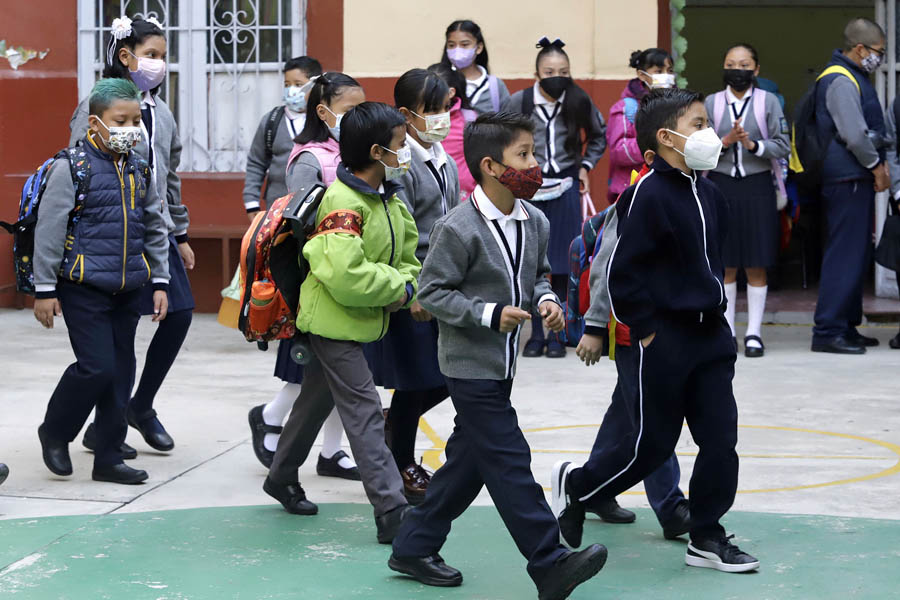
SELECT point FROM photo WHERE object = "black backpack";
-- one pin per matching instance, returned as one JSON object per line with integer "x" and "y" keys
{"x": 808, "y": 149}
{"x": 276, "y": 116}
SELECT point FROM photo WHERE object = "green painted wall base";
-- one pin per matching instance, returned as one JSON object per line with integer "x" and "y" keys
{"x": 263, "y": 552}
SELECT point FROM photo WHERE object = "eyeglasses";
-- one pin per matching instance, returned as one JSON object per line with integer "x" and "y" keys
{"x": 880, "y": 53}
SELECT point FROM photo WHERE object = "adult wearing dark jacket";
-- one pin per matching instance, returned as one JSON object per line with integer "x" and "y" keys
{"x": 849, "y": 113}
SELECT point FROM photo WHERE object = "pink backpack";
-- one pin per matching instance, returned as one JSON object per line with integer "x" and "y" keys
{"x": 328, "y": 153}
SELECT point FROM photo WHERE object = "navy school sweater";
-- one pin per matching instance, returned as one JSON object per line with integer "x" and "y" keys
{"x": 668, "y": 258}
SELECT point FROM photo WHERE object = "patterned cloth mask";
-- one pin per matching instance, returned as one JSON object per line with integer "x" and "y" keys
{"x": 523, "y": 183}
{"x": 121, "y": 139}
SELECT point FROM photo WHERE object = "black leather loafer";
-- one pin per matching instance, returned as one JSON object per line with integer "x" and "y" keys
{"x": 754, "y": 351}
{"x": 430, "y": 570}
{"x": 291, "y": 496}
{"x": 90, "y": 442}
{"x": 534, "y": 348}
{"x": 331, "y": 467}
{"x": 838, "y": 345}
{"x": 55, "y": 453}
{"x": 258, "y": 431}
{"x": 389, "y": 523}
{"x": 120, "y": 473}
{"x": 151, "y": 430}
{"x": 611, "y": 512}
{"x": 570, "y": 571}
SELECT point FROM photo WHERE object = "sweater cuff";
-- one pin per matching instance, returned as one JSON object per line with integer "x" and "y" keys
{"x": 410, "y": 295}
{"x": 596, "y": 331}
{"x": 252, "y": 208}
{"x": 587, "y": 165}
{"x": 760, "y": 148}
{"x": 45, "y": 295}
{"x": 181, "y": 239}
{"x": 551, "y": 297}
{"x": 874, "y": 164}
{"x": 161, "y": 286}
{"x": 487, "y": 314}
{"x": 495, "y": 317}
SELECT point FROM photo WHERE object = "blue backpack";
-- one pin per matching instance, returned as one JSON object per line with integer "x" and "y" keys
{"x": 23, "y": 229}
{"x": 582, "y": 251}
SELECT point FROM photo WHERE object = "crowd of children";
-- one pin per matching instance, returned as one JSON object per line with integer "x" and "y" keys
{"x": 444, "y": 229}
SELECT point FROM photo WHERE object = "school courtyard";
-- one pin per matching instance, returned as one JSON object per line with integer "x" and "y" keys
{"x": 818, "y": 504}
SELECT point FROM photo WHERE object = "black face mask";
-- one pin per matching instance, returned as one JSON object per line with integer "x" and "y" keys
{"x": 555, "y": 86}
{"x": 738, "y": 79}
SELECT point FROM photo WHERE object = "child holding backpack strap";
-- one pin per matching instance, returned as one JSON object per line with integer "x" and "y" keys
{"x": 275, "y": 135}
{"x": 100, "y": 237}
{"x": 566, "y": 121}
{"x": 313, "y": 160}
{"x": 137, "y": 53}
{"x": 362, "y": 267}
{"x": 754, "y": 135}
{"x": 464, "y": 48}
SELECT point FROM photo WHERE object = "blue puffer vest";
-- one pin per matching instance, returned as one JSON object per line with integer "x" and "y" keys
{"x": 840, "y": 164}
{"x": 106, "y": 248}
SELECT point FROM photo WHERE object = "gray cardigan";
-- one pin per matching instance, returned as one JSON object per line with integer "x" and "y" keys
{"x": 422, "y": 196}
{"x": 167, "y": 145}
{"x": 890, "y": 140}
{"x": 464, "y": 271}
{"x": 596, "y": 137}
{"x": 777, "y": 146}
{"x": 259, "y": 166}
{"x": 303, "y": 173}
{"x": 597, "y": 314}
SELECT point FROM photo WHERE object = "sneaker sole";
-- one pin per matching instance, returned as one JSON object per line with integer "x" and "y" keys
{"x": 709, "y": 563}
{"x": 400, "y": 568}
{"x": 119, "y": 481}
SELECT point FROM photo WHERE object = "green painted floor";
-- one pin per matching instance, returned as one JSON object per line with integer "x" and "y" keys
{"x": 262, "y": 552}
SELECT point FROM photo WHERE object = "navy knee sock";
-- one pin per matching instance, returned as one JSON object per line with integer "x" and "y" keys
{"x": 161, "y": 355}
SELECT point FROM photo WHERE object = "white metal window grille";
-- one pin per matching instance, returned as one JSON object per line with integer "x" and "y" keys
{"x": 224, "y": 66}
{"x": 886, "y": 81}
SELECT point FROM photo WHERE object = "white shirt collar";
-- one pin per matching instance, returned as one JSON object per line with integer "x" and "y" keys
{"x": 148, "y": 99}
{"x": 539, "y": 97}
{"x": 435, "y": 154}
{"x": 730, "y": 98}
{"x": 477, "y": 82}
{"x": 490, "y": 211}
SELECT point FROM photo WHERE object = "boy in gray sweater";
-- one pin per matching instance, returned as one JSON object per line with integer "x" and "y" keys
{"x": 486, "y": 268}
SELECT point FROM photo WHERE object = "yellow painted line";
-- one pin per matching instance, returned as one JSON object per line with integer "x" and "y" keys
{"x": 432, "y": 457}
{"x": 742, "y": 455}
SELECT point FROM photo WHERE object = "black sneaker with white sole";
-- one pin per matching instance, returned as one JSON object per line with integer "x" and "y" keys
{"x": 719, "y": 554}
{"x": 566, "y": 508}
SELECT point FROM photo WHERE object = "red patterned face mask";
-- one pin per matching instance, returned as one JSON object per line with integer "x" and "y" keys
{"x": 523, "y": 183}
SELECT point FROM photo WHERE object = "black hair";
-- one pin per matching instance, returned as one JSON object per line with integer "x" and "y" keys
{"x": 140, "y": 31}
{"x": 418, "y": 87}
{"x": 489, "y": 135}
{"x": 455, "y": 80}
{"x": 472, "y": 28}
{"x": 326, "y": 88}
{"x": 307, "y": 64}
{"x": 661, "y": 109}
{"x": 577, "y": 107}
{"x": 753, "y": 53}
{"x": 364, "y": 125}
{"x": 651, "y": 57}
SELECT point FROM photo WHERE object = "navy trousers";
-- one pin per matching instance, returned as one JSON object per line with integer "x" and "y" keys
{"x": 486, "y": 448}
{"x": 685, "y": 374}
{"x": 849, "y": 211}
{"x": 662, "y": 485}
{"x": 101, "y": 329}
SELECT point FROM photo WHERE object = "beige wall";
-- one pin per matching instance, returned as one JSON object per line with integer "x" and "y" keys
{"x": 388, "y": 37}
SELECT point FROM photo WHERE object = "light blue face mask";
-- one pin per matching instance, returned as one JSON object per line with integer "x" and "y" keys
{"x": 336, "y": 130}
{"x": 295, "y": 96}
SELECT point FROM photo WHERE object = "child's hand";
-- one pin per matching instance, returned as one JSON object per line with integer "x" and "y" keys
{"x": 419, "y": 313}
{"x": 45, "y": 310}
{"x": 590, "y": 349}
{"x": 187, "y": 255}
{"x": 511, "y": 317}
{"x": 584, "y": 182}
{"x": 648, "y": 340}
{"x": 252, "y": 215}
{"x": 160, "y": 305}
{"x": 397, "y": 304}
{"x": 553, "y": 315}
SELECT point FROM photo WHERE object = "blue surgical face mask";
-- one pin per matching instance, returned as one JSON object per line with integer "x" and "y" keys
{"x": 336, "y": 130}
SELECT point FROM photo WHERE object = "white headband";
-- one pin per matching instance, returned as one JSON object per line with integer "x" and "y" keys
{"x": 121, "y": 29}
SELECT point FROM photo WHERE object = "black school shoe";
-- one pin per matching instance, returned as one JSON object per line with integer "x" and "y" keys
{"x": 55, "y": 454}
{"x": 151, "y": 430}
{"x": 291, "y": 496}
{"x": 389, "y": 523}
{"x": 331, "y": 467}
{"x": 570, "y": 571}
{"x": 534, "y": 348}
{"x": 566, "y": 508}
{"x": 862, "y": 340}
{"x": 719, "y": 554}
{"x": 555, "y": 348}
{"x": 90, "y": 442}
{"x": 120, "y": 473}
{"x": 679, "y": 523}
{"x": 610, "y": 511}
{"x": 4, "y": 473}
{"x": 838, "y": 345}
{"x": 753, "y": 351}
{"x": 895, "y": 342}
{"x": 258, "y": 431}
{"x": 430, "y": 570}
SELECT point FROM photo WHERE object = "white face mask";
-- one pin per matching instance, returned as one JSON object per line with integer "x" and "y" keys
{"x": 404, "y": 159}
{"x": 660, "y": 80}
{"x": 121, "y": 139}
{"x": 437, "y": 127}
{"x": 336, "y": 130}
{"x": 701, "y": 150}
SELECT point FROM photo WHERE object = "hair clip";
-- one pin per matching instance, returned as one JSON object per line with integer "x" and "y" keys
{"x": 545, "y": 42}
{"x": 119, "y": 30}
{"x": 154, "y": 21}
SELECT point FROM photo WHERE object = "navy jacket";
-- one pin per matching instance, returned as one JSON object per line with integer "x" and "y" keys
{"x": 840, "y": 164}
{"x": 668, "y": 258}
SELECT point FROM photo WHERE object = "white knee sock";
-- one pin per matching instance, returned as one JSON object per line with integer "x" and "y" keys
{"x": 756, "y": 306}
{"x": 332, "y": 435}
{"x": 276, "y": 411}
{"x": 731, "y": 296}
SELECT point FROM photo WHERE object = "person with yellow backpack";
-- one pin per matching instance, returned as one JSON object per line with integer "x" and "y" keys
{"x": 840, "y": 145}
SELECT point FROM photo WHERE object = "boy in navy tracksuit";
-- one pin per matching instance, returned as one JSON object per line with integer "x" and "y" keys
{"x": 92, "y": 255}
{"x": 486, "y": 269}
{"x": 665, "y": 284}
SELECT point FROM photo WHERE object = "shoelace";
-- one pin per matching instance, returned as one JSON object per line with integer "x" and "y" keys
{"x": 424, "y": 473}
{"x": 730, "y": 548}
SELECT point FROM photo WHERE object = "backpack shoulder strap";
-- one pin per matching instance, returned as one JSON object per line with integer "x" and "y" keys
{"x": 527, "y": 101}
{"x": 759, "y": 112}
{"x": 272, "y": 123}
{"x": 494, "y": 91}
{"x": 718, "y": 108}
{"x": 80, "y": 167}
{"x": 838, "y": 69}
